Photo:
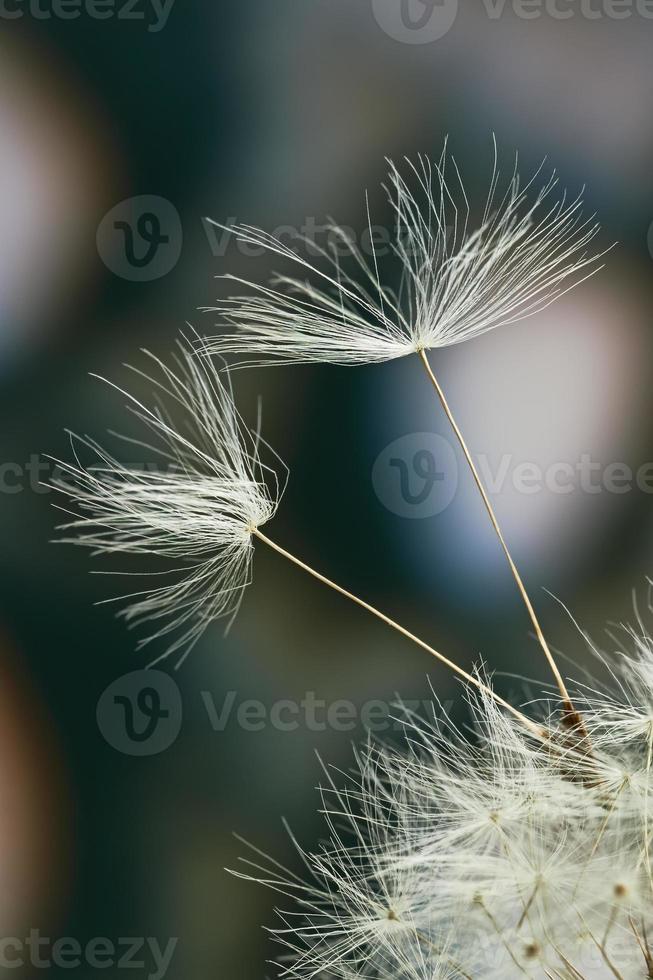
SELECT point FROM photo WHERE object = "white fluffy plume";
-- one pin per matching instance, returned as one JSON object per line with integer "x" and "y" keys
{"x": 195, "y": 508}
{"x": 457, "y": 281}
{"x": 485, "y": 857}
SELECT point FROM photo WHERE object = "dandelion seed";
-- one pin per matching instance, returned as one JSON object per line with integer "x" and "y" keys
{"x": 197, "y": 510}
{"x": 457, "y": 282}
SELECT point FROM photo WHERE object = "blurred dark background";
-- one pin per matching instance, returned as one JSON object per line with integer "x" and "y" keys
{"x": 278, "y": 114}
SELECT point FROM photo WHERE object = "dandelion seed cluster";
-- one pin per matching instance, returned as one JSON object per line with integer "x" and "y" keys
{"x": 486, "y": 856}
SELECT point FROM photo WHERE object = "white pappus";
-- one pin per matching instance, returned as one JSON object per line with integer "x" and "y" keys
{"x": 195, "y": 509}
{"x": 457, "y": 281}
{"x": 485, "y": 856}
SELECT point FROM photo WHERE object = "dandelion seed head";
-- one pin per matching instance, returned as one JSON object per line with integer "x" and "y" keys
{"x": 486, "y": 855}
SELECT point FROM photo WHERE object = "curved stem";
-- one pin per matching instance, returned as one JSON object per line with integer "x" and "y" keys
{"x": 469, "y": 678}
{"x": 572, "y": 715}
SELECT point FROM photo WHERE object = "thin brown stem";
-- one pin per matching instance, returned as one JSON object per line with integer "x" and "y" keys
{"x": 504, "y": 942}
{"x": 608, "y": 962}
{"x": 469, "y": 678}
{"x": 647, "y": 839}
{"x": 572, "y": 717}
{"x": 644, "y": 947}
{"x": 599, "y": 838}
